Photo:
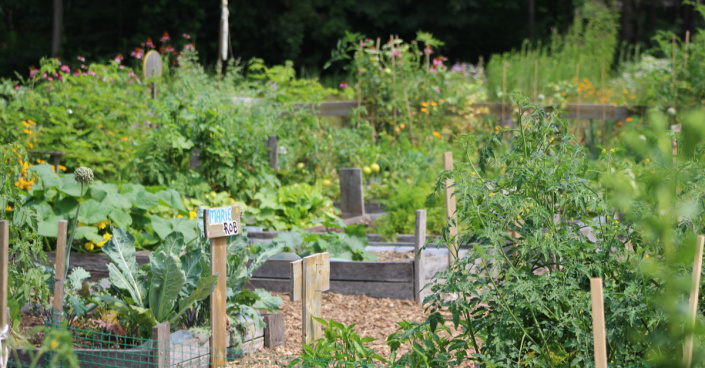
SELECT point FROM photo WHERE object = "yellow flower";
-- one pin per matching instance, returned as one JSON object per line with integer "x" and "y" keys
{"x": 647, "y": 160}
{"x": 424, "y": 104}
{"x": 441, "y": 100}
{"x": 89, "y": 246}
{"x": 40, "y": 161}
{"x": 26, "y": 124}
{"x": 100, "y": 244}
{"x": 603, "y": 150}
{"x": 518, "y": 217}
{"x": 27, "y": 131}
{"x": 107, "y": 236}
{"x": 472, "y": 173}
{"x": 546, "y": 235}
{"x": 425, "y": 110}
{"x": 612, "y": 150}
{"x": 491, "y": 194}
{"x": 62, "y": 168}
{"x": 179, "y": 216}
{"x": 31, "y": 122}
{"x": 434, "y": 103}
{"x": 8, "y": 208}
{"x": 192, "y": 215}
{"x": 437, "y": 135}
{"x": 53, "y": 344}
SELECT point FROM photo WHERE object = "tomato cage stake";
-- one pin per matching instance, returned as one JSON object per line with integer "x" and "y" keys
{"x": 4, "y": 311}
{"x": 219, "y": 223}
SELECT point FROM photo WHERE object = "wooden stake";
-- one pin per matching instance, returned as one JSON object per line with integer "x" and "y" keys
{"x": 219, "y": 223}
{"x": 394, "y": 80}
{"x": 419, "y": 241}
{"x": 602, "y": 88}
{"x": 450, "y": 208}
{"x": 60, "y": 270}
{"x": 693, "y": 302}
{"x": 687, "y": 44}
{"x": 4, "y": 262}
{"x": 504, "y": 88}
{"x": 359, "y": 86}
{"x": 406, "y": 101}
{"x": 536, "y": 80}
{"x": 598, "y": 322}
{"x": 161, "y": 343}
{"x": 219, "y": 318}
{"x": 577, "y": 76}
{"x": 310, "y": 277}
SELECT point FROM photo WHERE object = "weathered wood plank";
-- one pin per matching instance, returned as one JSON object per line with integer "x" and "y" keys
{"x": 352, "y": 201}
{"x": 346, "y": 271}
{"x": 161, "y": 344}
{"x": 598, "y": 322}
{"x": 275, "y": 332}
{"x": 96, "y": 263}
{"x": 60, "y": 268}
{"x": 4, "y": 263}
{"x": 420, "y": 240}
{"x": 296, "y": 276}
{"x": 219, "y": 318}
{"x": 393, "y": 290}
{"x": 253, "y": 345}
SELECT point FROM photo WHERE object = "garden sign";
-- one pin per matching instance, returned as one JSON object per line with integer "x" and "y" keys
{"x": 152, "y": 67}
{"x": 219, "y": 223}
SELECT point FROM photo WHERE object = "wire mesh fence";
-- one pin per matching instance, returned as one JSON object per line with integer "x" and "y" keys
{"x": 108, "y": 349}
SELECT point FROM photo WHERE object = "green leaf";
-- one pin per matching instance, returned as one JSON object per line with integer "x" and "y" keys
{"x": 49, "y": 226}
{"x": 88, "y": 233}
{"x": 92, "y": 212}
{"x": 46, "y": 175}
{"x": 267, "y": 301}
{"x": 124, "y": 270}
{"x": 77, "y": 276}
{"x": 191, "y": 264}
{"x": 120, "y": 218}
{"x": 69, "y": 186}
{"x": 171, "y": 198}
{"x": 203, "y": 289}
{"x": 166, "y": 282}
{"x": 66, "y": 207}
{"x": 146, "y": 200}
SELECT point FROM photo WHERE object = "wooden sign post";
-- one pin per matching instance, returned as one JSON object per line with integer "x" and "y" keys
{"x": 598, "y": 323}
{"x": 693, "y": 302}
{"x": 4, "y": 311}
{"x": 450, "y": 209}
{"x": 152, "y": 67}
{"x": 419, "y": 242}
{"x": 310, "y": 277}
{"x": 60, "y": 272}
{"x": 219, "y": 223}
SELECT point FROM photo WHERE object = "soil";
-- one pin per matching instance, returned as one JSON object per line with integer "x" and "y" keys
{"x": 393, "y": 256}
{"x": 374, "y": 318}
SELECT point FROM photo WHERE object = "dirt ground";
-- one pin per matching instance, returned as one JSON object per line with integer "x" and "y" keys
{"x": 375, "y": 318}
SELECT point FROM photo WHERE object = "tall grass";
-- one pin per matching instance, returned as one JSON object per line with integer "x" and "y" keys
{"x": 591, "y": 41}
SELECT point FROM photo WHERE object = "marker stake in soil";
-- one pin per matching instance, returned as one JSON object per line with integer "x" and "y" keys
{"x": 693, "y": 302}
{"x": 450, "y": 208}
{"x": 598, "y": 322}
{"x": 310, "y": 277}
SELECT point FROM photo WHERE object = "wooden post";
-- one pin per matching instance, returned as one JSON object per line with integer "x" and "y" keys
{"x": 536, "y": 80}
{"x": 359, "y": 86}
{"x": 693, "y": 302}
{"x": 406, "y": 100}
{"x": 598, "y": 323}
{"x": 219, "y": 223}
{"x": 419, "y": 241}
{"x": 352, "y": 199}
{"x": 602, "y": 88}
{"x": 577, "y": 76}
{"x": 450, "y": 208}
{"x": 161, "y": 345}
{"x": 687, "y": 44}
{"x": 60, "y": 271}
{"x": 394, "y": 80}
{"x": 273, "y": 151}
{"x": 274, "y": 331}
{"x": 4, "y": 262}
{"x": 504, "y": 88}
{"x": 310, "y": 277}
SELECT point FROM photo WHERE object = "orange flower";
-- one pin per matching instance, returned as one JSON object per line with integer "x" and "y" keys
{"x": 437, "y": 135}
{"x": 424, "y": 104}
{"x": 423, "y": 109}
{"x": 434, "y": 103}
{"x": 629, "y": 119}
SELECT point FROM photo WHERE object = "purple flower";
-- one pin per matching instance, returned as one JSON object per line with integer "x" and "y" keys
{"x": 17, "y": 87}
{"x": 50, "y": 79}
{"x": 344, "y": 84}
{"x": 91, "y": 73}
{"x": 149, "y": 43}
{"x": 165, "y": 37}
{"x": 81, "y": 59}
{"x": 65, "y": 69}
{"x": 186, "y": 36}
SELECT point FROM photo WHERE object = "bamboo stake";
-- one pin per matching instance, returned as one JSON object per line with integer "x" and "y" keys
{"x": 504, "y": 89}
{"x": 394, "y": 80}
{"x": 60, "y": 269}
{"x": 406, "y": 101}
{"x": 450, "y": 208}
{"x": 687, "y": 44}
{"x": 536, "y": 80}
{"x": 598, "y": 322}
{"x": 693, "y": 302}
{"x": 4, "y": 262}
{"x": 359, "y": 87}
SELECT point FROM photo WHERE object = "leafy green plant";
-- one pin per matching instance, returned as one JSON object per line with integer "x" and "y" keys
{"x": 296, "y": 205}
{"x": 159, "y": 292}
{"x": 341, "y": 347}
{"x": 523, "y": 288}
{"x": 349, "y": 244}
{"x": 430, "y": 345}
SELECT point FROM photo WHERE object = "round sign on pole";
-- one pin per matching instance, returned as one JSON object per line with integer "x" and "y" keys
{"x": 152, "y": 65}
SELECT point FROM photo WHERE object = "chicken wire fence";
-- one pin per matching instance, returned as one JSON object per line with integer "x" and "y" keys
{"x": 105, "y": 349}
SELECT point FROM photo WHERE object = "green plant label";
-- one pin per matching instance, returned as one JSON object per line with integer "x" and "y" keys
{"x": 222, "y": 221}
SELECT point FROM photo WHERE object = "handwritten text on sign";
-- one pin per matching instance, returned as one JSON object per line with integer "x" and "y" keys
{"x": 222, "y": 221}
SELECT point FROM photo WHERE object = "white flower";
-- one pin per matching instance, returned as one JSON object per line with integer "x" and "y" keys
{"x": 671, "y": 111}
{"x": 541, "y": 97}
{"x": 69, "y": 111}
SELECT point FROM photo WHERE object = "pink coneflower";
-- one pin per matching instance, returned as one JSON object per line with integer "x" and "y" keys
{"x": 169, "y": 48}
{"x": 165, "y": 37}
{"x": 119, "y": 58}
{"x": 149, "y": 43}
{"x": 81, "y": 59}
{"x": 186, "y": 36}
{"x": 17, "y": 87}
{"x": 65, "y": 69}
{"x": 50, "y": 79}
{"x": 344, "y": 84}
